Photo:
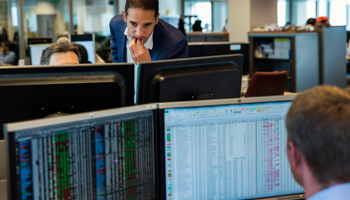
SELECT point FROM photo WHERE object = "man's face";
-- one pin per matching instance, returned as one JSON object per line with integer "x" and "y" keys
{"x": 4, "y": 48}
{"x": 140, "y": 23}
{"x": 66, "y": 58}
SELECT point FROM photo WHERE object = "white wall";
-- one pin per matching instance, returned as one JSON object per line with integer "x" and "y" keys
{"x": 173, "y": 6}
{"x": 263, "y": 12}
{"x": 239, "y": 20}
{"x": 246, "y": 14}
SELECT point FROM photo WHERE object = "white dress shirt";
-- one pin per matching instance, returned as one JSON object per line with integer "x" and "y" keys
{"x": 337, "y": 192}
{"x": 148, "y": 45}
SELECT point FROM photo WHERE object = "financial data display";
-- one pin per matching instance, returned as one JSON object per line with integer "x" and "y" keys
{"x": 227, "y": 152}
{"x": 106, "y": 158}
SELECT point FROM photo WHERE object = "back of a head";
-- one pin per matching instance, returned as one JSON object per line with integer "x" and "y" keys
{"x": 143, "y": 5}
{"x": 318, "y": 122}
{"x": 58, "y": 48}
{"x": 311, "y": 21}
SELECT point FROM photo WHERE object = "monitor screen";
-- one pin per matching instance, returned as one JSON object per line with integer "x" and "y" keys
{"x": 100, "y": 155}
{"x": 88, "y": 41}
{"x": 234, "y": 151}
{"x": 42, "y": 91}
{"x": 35, "y": 52}
{"x": 212, "y": 77}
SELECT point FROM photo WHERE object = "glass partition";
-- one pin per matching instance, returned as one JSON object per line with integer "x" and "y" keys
{"x": 93, "y": 16}
{"x": 9, "y": 27}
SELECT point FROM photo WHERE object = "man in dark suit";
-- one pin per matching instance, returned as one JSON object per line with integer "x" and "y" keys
{"x": 139, "y": 35}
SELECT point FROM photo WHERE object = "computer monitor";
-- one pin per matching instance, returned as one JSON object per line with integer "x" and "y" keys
{"x": 98, "y": 155}
{"x": 88, "y": 41}
{"x": 212, "y": 77}
{"x": 39, "y": 40}
{"x": 197, "y": 49}
{"x": 225, "y": 149}
{"x": 35, "y": 52}
{"x": 40, "y": 91}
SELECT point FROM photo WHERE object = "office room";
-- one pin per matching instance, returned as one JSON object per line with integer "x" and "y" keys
{"x": 174, "y": 99}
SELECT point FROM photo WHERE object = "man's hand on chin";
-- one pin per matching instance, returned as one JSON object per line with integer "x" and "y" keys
{"x": 139, "y": 53}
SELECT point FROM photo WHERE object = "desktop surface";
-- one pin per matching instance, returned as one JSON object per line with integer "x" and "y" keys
{"x": 97, "y": 155}
{"x": 234, "y": 151}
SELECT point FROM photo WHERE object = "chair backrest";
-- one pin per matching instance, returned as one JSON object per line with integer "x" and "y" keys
{"x": 14, "y": 47}
{"x": 267, "y": 84}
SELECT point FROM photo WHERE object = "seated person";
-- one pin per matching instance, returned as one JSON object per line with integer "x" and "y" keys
{"x": 318, "y": 146}
{"x": 60, "y": 54}
{"x": 84, "y": 56}
{"x": 7, "y": 57}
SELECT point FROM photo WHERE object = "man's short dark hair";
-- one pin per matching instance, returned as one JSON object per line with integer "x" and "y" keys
{"x": 58, "y": 48}
{"x": 318, "y": 123}
{"x": 7, "y": 43}
{"x": 143, "y": 4}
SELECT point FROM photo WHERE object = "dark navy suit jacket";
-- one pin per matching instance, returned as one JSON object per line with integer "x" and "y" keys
{"x": 168, "y": 41}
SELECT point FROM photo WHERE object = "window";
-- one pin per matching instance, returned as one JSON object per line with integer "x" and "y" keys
{"x": 203, "y": 12}
{"x": 337, "y": 13}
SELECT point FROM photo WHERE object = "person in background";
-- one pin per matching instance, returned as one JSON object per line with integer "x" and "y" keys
{"x": 322, "y": 21}
{"x": 318, "y": 146}
{"x": 7, "y": 57}
{"x": 311, "y": 21}
{"x": 64, "y": 53}
{"x": 84, "y": 56}
{"x": 139, "y": 35}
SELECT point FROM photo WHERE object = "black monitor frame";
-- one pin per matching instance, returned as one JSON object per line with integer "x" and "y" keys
{"x": 197, "y": 49}
{"x": 92, "y": 119}
{"x": 108, "y": 75}
{"x": 146, "y": 69}
{"x": 39, "y": 40}
{"x": 161, "y": 135}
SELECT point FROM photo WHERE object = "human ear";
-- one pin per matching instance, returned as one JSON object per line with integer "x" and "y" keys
{"x": 157, "y": 19}
{"x": 124, "y": 15}
{"x": 294, "y": 155}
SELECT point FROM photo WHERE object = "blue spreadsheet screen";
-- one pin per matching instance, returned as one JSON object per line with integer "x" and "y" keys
{"x": 227, "y": 152}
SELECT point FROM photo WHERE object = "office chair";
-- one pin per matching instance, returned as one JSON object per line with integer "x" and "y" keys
{"x": 14, "y": 47}
{"x": 267, "y": 84}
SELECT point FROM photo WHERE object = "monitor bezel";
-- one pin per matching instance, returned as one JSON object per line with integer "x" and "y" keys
{"x": 10, "y": 128}
{"x": 124, "y": 69}
{"x": 144, "y": 70}
{"x": 160, "y": 146}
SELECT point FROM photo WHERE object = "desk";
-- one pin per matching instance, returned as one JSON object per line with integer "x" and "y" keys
{"x": 198, "y": 36}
